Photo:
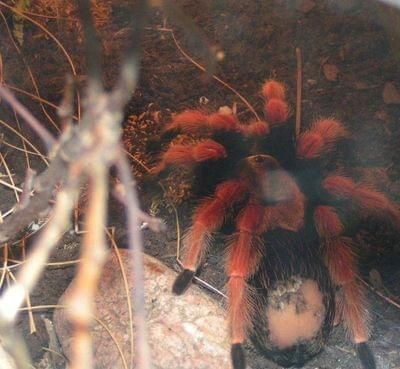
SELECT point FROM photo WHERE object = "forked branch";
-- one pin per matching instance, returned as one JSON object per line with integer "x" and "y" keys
{"x": 83, "y": 152}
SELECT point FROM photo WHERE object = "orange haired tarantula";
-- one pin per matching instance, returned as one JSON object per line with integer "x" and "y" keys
{"x": 290, "y": 260}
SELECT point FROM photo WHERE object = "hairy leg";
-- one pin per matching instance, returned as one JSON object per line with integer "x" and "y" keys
{"x": 276, "y": 107}
{"x": 320, "y": 139}
{"x": 368, "y": 200}
{"x": 189, "y": 154}
{"x": 197, "y": 122}
{"x": 243, "y": 258}
{"x": 207, "y": 218}
{"x": 341, "y": 262}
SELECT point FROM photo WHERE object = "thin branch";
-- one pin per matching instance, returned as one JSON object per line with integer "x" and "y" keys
{"x": 13, "y": 297}
{"x": 34, "y": 97}
{"x": 299, "y": 91}
{"x": 192, "y": 33}
{"x": 3, "y": 161}
{"x": 38, "y": 204}
{"x": 380, "y": 294}
{"x": 55, "y": 39}
{"x": 27, "y": 188}
{"x": 129, "y": 69}
{"x": 42, "y": 132}
{"x": 127, "y": 291}
{"x": 222, "y": 82}
{"x": 135, "y": 244}
{"x": 93, "y": 257}
{"x": 154, "y": 223}
{"x": 10, "y": 185}
{"x": 30, "y": 271}
{"x": 92, "y": 44}
{"x": 31, "y": 75}
{"x": 65, "y": 110}
{"x": 34, "y": 148}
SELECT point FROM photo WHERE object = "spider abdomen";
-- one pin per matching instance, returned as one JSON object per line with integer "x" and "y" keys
{"x": 295, "y": 300}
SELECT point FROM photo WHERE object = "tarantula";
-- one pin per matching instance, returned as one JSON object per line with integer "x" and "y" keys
{"x": 290, "y": 255}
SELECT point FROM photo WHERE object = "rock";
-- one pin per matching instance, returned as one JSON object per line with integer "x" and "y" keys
{"x": 390, "y": 94}
{"x": 331, "y": 72}
{"x": 188, "y": 331}
{"x": 6, "y": 360}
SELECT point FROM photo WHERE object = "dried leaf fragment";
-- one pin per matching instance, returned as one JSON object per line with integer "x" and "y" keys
{"x": 390, "y": 94}
{"x": 331, "y": 72}
{"x": 306, "y": 5}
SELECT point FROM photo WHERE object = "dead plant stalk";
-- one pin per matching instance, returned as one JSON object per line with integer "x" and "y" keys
{"x": 83, "y": 152}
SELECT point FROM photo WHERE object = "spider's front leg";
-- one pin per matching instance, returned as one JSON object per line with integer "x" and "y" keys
{"x": 190, "y": 154}
{"x": 207, "y": 218}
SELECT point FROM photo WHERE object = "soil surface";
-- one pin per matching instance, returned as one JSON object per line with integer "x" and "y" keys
{"x": 351, "y": 70}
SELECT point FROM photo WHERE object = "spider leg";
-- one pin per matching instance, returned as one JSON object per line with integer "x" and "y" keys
{"x": 320, "y": 139}
{"x": 207, "y": 218}
{"x": 257, "y": 128}
{"x": 276, "y": 108}
{"x": 190, "y": 153}
{"x": 243, "y": 258}
{"x": 229, "y": 122}
{"x": 342, "y": 266}
{"x": 189, "y": 121}
{"x": 368, "y": 200}
{"x": 341, "y": 262}
{"x": 328, "y": 226}
{"x": 223, "y": 121}
{"x": 196, "y": 122}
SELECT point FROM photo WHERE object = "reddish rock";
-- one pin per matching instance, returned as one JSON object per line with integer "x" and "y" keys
{"x": 188, "y": 331}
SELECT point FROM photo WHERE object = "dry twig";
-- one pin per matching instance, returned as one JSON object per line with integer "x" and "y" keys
{"x": 83, "y": 152}
{"x": 299, "y": 90}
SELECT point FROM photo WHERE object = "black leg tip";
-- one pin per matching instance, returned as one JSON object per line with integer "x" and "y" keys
{"x": 366, "y": 356}
{"x": 238, "y": 357}
{"x": 182, "y": 282}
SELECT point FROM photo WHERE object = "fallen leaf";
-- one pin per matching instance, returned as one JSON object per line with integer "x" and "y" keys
{"x": 390, "y": 94}
{"x": 331, "y": 72}
{"x": 306, "y": 5}
{"x": 382, "y": 115}
{"x": 359, "y": 85}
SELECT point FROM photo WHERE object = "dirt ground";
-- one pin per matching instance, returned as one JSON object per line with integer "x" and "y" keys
{"x": 351, "y": 70}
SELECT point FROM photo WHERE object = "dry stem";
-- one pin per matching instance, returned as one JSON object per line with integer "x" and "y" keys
{"x": 93, "y": 256}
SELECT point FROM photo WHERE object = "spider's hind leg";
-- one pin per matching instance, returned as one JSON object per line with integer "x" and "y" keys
{"x": 341, "y": 262}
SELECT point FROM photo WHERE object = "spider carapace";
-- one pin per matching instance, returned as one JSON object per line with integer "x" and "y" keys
{"x": 290, "y": 262}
